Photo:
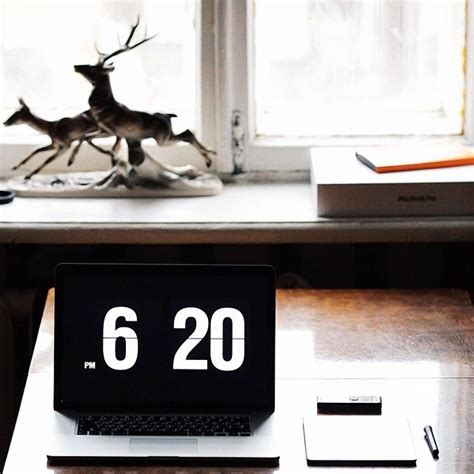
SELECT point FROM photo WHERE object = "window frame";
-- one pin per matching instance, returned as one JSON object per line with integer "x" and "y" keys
{"x": 224, "y": 61}
{"x": 267, "y": 155}
{"x": 14, "y": 148}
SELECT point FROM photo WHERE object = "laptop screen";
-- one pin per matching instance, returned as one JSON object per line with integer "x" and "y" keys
{"x": 169, "y": 338}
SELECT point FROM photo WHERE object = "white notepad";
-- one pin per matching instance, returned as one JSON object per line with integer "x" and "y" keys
{"x": 355, "y": 440}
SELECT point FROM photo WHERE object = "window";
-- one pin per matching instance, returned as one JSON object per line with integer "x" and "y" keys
{"x": 42, "y": 40}
{"x": 311, "y": 73}
{"x": 352, "y": 68}
{"x": 298, "y": 73}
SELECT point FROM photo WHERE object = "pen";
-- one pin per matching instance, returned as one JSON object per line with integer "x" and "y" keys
{"x": 430, "y": 439}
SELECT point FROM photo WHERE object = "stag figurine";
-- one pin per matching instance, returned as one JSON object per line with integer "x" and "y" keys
{"x": 62, "y": 132}
{"x": 116, "y": 119}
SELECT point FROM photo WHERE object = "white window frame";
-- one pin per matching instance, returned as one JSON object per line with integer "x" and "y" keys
{"x": 235, "y": 92}
{"x": 15, "y": 148}
{"x": 224, "y": 72}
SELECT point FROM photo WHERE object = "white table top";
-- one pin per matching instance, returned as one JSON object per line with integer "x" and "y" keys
{"x": 243, "y": 213}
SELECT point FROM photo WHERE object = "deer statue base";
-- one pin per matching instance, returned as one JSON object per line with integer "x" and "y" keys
{"x": 150, "y": 179}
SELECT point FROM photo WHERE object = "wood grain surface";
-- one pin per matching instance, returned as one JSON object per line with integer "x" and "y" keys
{"x": 412, "y": 347}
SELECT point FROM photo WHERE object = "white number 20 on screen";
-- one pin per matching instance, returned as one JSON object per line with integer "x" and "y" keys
{"x": 181, "y": 361}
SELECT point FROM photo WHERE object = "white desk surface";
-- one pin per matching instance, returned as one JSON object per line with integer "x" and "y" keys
{"x": 243, "y": 213}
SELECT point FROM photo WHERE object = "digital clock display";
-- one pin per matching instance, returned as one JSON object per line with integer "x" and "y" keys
{"x": 164, "y": 337}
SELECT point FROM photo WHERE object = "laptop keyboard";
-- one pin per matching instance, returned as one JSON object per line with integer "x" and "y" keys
{"x": 166, "y": 425}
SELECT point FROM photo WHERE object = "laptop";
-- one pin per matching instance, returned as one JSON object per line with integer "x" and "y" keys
{"x": 164, "y": 363}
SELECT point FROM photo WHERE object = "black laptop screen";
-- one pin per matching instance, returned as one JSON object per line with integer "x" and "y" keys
{"x": 169, "y": 338}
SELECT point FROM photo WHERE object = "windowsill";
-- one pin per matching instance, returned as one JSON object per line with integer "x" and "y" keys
{"x": 271, "y": 158}
{"x": 243, "y": 213}
{"x": 356, "y": 141}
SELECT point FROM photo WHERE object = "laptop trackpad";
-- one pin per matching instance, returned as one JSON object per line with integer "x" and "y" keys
{"x": 163, "y": 446}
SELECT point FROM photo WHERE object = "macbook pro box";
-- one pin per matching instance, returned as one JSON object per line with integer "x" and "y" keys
{"x": 164, "y": 362}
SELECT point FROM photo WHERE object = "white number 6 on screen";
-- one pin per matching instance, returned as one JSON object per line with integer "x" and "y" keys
{"x": 111, "y": 333}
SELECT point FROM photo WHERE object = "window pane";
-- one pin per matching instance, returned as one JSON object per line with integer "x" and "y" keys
{"x": 42, "y": 40}
{"x": 348, "y": 67}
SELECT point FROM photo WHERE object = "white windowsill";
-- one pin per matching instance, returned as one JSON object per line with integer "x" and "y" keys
{"x": 243, "y": 213}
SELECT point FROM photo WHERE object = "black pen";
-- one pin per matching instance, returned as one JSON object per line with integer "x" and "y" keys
{"x": 430, "y": 439}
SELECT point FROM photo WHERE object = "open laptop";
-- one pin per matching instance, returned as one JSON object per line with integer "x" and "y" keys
{"x": 164, "y": 362}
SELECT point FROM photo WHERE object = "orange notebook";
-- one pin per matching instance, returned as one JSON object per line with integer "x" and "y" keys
{"x": 415, "y": 157}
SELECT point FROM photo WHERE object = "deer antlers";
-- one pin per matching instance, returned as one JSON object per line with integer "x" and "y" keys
{"x": 103, "y": 58}
{"x": 22, "y": 102}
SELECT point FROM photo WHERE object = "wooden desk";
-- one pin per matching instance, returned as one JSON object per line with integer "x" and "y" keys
{"x": 415, "y": 348}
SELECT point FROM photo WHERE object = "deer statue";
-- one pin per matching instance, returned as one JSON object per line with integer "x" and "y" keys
{"x": 118, "y": 120}
{"x": 62, "y": 132}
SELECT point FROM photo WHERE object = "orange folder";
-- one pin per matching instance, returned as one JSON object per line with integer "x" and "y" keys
{"x": 415, "y": 157}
